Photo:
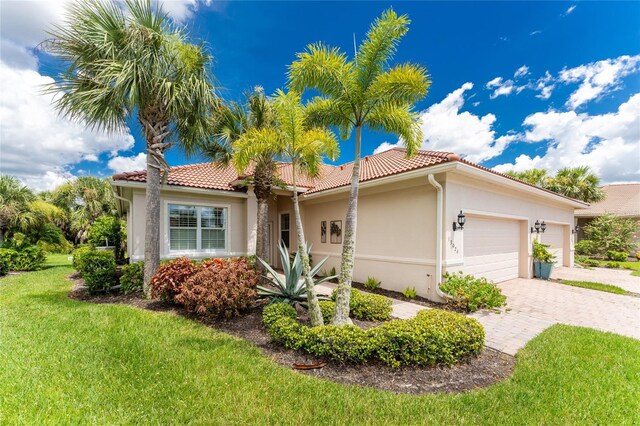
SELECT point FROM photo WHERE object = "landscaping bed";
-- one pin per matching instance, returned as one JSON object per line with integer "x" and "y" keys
{"x": 488, "y": 368}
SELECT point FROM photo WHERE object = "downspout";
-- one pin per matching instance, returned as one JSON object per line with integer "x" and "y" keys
{"x": 439, "y": 230}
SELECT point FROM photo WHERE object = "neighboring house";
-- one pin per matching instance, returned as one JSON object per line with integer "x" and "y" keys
{"x": 621, "y": 200}
{"x": 406, "y": 211}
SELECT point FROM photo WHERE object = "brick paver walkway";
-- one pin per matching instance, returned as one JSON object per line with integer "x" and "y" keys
{"x": 534, "y": 305}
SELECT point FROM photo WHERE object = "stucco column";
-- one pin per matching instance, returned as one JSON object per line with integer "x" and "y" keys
{"x": 252, "y": 222}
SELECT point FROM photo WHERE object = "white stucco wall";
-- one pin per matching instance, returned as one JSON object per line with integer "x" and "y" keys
{"x": 395, "y": 240}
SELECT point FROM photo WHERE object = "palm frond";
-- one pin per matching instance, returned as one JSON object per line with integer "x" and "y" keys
{"x": 401, "y": 120}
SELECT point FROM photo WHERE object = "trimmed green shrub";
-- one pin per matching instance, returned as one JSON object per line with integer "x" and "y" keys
{"x": 618, "y": 256}
{"x": 132, "y": 278}
{"x": 4, "y": 264}
{"x": 585, "y": 247}
{"x": 99, "y": 270}
{"x": 610, "y": 232}
{"x": 367, "y": 306}
{"x": 433, "y": 337}
{"x": 410, "y": 293}
{"x": 372, "y": 283}
{"x": 327, "y": 307}
{"x": 107, "y": 229}
{"x": 585, "y": 261}
{"x": 78, "y": 257}
{"x": 29, "y": 258}
{"x": 471, "y": 293}
{"x": 613, "y": 265}
{"x": 224, "y": 288}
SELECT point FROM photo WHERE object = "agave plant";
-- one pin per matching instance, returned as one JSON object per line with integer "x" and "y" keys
{"x": 290, "y": 287}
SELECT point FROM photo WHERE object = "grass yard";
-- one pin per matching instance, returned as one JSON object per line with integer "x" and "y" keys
{"x": 633, "y": 266}
{"x": 595, "y": 286}
{"x": 69, "y": 362}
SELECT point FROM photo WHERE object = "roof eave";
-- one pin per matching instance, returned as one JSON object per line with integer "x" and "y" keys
{"x": 190, "y": 189}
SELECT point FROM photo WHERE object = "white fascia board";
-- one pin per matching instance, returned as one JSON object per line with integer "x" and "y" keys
{"x": 141, "y": 185}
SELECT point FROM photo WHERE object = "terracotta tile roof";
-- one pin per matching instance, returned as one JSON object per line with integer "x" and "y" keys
{"x": 622, "y": 200}
{"x": 386, "y": 163}
{"x": 201, "y": 175}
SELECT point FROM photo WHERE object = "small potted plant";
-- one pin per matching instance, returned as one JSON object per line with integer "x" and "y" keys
{"x": 543, "y": 260}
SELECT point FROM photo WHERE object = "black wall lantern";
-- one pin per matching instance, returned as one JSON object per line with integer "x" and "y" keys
{"x": 538, "y": 227}
{"x": 461, "y": 221}
{"x": 575, "y": 230}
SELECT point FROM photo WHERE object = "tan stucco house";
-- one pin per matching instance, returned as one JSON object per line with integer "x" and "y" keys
{"x": 622, "y": 200}
{"x": 406, "y": 211}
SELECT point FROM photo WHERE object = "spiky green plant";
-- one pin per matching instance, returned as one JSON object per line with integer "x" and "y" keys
{"x": 15, "y": 203}
{"x": 290, "y": 287}
{"x": 133, "y": 62}
{"x": 366, "y": 91}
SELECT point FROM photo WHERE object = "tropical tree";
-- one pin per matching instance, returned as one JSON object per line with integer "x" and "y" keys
{"x": 577, "y": 182}
{"x": 15, "y": 203}
{"x": 304, "y": 147}
{"x": 133, "y": 62}
{"x": 366, "y": 91}
{"x": 84, "y": 199}
{"x": 534, "y": 176}
{"x": 232, "y": 122}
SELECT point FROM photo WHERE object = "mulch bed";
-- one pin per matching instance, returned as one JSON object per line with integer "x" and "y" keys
{"x": 488, "y": 368}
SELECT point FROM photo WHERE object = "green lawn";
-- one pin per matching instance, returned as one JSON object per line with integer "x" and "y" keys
{"x": 595, "y": 286}
{"x": 634, "y": 266}
{"x": 70, "y": 362}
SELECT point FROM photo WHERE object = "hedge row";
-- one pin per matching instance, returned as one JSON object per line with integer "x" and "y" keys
{"x": 433, "y": 337}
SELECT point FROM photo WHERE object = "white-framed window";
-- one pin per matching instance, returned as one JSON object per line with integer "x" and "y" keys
{"x": 197, "y": 228}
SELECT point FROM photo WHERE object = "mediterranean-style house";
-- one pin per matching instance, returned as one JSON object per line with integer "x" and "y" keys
{"x": 622, "y": 200}
{"x": 408, "y": 232}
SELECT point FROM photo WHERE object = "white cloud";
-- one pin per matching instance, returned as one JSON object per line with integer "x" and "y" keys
{"x": 446, "y": 128}
{"x": 36, "y": 144}
{"x": 128, "y": 164}
{"x": 500, "y": 87}
{"x": 608, "y": 143}
{"x": 545, "y": 86}
{"x": 536, "y": 32}
{"x": 521, "y": 72}
{"x": 569, "y": 10}
{"x": 597, "y": 78}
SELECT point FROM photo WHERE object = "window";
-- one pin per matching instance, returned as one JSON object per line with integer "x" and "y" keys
{"x": 284, "y": 228}
{"x": 196, "y": 228}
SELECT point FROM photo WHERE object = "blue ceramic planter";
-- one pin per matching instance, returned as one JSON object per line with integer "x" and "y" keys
{"x": 542, "y": 270}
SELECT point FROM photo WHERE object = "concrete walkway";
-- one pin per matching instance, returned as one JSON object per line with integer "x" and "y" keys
{"x": 618, "y": 277}
{"x": 534, "y": 305}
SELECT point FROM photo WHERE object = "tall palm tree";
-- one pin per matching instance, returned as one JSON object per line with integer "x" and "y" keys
{"x": 134, "y": 63}
{"x": 15, "y": 201}
{"x": 577, "y": 182}
{"x": 229, "y": 124}
{"x": 304, "y": 147}
{"x": 365, "y": 91}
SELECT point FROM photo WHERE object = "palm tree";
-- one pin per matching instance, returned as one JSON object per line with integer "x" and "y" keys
{"x": 84, "y": 200}
{"x": 134, "y": 63}
{"x": 533, "y": 176}
{"x": 230, "y": 123}
{"x": 366, "y": 91}
{"x": 15, "y": 201}
{"x": 578, "y": 183}
{"x": 304, "y": 147}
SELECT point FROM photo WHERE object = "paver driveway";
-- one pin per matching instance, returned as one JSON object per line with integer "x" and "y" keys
{"x": 535, "y": 305}
{"x": 618, "y": 277}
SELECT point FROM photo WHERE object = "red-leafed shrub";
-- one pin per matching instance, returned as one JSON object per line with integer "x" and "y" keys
{"x": 168, "y": 280}
{"x": 224, "y": 287}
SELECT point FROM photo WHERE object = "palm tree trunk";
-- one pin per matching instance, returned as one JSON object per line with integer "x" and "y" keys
{"x": 315, "y": 314}
{"x": 152, "y": 224}
{"x": 343, "y": 292}
{"x": 262, "y": 237}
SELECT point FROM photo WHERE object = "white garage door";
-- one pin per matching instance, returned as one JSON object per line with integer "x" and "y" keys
{"x": 554, "y": 236}
{"x": 491, "y": 248}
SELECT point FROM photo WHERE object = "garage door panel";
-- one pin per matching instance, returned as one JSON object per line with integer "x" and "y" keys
{"x": 491, "y": 248}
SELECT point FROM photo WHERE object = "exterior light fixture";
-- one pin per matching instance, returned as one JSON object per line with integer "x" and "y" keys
{"x": 575, "y": 230}
{"x": 461, "y": 222}
{"x": 539, "y": 227}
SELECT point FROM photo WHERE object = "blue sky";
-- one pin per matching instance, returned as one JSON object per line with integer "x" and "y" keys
{"x": 586, "y": 113}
